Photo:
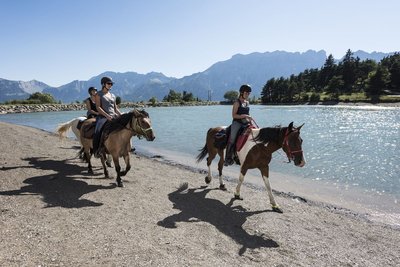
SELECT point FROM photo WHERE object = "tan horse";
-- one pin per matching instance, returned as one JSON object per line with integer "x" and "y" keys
{"x": 117, "y": 135}
{"x": 256, "y": 153}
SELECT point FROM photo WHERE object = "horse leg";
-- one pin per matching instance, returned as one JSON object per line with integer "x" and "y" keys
{"x": 87, "y": 156}
{"x": 243, "y": 172}
{"x": 127, "y": 165}
{"x": 210, "y": 158}
{"x": 102, "y": 158}
{"x": 81, "y": 153}
{"x": 118, "y": 171}
{"x": 220, "y": 167}
{"x": 108, "y": 161}
{"x": 264, "y": 173}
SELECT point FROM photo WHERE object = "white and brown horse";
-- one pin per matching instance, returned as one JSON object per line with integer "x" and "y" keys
{"x": 63, "y": 128}
{"x": 256, "y": 153}
{"x": 117, "y": 136}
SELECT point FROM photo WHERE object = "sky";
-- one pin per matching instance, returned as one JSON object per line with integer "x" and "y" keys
{"x": 58, "y": 41}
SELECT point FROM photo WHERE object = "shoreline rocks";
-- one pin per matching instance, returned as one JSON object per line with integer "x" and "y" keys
{"x": 27, "y": 108}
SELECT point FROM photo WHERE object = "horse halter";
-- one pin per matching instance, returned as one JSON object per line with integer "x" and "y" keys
{"x": 289, "y": 153}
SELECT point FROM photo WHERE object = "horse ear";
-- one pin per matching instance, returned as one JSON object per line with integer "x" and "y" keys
{"x": 298, "y": 128}
{"x": 135, "y": 112}
{"x": 290, "y": 127}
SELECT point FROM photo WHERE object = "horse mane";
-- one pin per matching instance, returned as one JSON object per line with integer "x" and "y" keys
{"x": 118, "y": 123}
{"x": 122, "y": 121}
{"x": 269, "y": 134}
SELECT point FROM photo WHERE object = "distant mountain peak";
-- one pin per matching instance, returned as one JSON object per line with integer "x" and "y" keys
{"x": 255, "y": 68}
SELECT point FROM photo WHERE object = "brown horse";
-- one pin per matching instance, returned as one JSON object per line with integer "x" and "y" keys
{"x": 256, "y": 153}
{"x": 117, "y": 135}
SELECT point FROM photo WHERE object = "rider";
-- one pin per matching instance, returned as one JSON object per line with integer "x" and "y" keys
{"x": 91, "y": 104}
{"x": 241, "y": 117}
{"x": 107, "y": 109}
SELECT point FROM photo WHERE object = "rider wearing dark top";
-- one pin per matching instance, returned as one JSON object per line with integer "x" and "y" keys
{"x": 241, "y": 117}
{"x": 91, "y": 104}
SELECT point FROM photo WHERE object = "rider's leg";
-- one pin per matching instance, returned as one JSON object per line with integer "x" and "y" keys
{"x": 97, "y": 135}
{"x": 230, "y": 148}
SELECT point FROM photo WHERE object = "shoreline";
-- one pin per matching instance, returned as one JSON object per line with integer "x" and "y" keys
{"x": 28, "y": 108}
{"x": 164, "y": 216}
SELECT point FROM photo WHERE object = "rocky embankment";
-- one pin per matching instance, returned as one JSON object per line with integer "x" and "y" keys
{"x": 39, "y": 108}
{"x": 24, "y": 108}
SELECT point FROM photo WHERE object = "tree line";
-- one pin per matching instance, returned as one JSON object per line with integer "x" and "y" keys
{"x": 348, "y": 76}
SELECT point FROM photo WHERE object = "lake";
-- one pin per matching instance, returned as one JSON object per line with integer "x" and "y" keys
{"x": 351, "y": 151}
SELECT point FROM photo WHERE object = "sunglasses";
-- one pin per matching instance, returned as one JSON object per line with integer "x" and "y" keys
{"x": 109, "y": 83}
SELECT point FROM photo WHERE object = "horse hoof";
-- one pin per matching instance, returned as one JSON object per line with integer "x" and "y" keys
{"x": 108, "y": 164}
{"x": 238, "y": 197}
{"x": 277, "y": 209}
{"x": 208, "y": 180}
{"x": 222, "y": 187}
{"x": 90, "y": 171}
{"x": 120, "y": 184}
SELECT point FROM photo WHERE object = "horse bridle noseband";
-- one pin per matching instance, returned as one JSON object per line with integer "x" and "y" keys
{"x": 289, "y": 153}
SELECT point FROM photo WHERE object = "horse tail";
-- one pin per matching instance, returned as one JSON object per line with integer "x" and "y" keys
{"x": 63, "y": 128}
{"x": 204, "y": 150}
{"x": 203, "y": 154}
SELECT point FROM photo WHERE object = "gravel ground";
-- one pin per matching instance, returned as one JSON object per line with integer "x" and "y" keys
{"x": 52, "y": 213}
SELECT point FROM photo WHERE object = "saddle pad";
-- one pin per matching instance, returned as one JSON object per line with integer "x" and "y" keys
{"x": 241, "y": 140}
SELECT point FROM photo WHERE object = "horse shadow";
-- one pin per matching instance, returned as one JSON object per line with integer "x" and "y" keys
{"x": 59, "y": 189}
{"x": 227, "y": 219}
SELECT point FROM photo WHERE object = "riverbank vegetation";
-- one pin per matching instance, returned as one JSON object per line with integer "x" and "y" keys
{"x": 35, "y": 98}
{"x": 350, "y": 80}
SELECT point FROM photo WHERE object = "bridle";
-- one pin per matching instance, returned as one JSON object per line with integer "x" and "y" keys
{"x": 138, "y": 129}
{"x": 289, "y": 153}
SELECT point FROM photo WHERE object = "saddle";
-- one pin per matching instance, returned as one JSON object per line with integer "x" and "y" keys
{"x": 221, "y": 138}
{"x": 79, "y": 125}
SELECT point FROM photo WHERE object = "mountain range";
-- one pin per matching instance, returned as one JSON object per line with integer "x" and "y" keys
{"x": 254, "y": 69}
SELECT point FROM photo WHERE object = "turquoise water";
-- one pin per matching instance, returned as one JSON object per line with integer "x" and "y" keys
{"x": 348, "y": 148}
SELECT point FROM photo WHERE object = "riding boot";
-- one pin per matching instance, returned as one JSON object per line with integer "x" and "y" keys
{"x": 229, "y": 155}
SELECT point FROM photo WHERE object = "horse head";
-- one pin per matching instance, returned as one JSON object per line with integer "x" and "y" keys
{"x": 292, "y": 145}
{"x": 141, "y": 124}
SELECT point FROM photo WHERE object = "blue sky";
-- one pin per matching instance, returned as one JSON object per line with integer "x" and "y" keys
{"x": 58, "y": 41}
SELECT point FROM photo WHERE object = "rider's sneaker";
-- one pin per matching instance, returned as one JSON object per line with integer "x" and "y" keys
{"x": 97, "y": 154}
{"x": 228, "y": 162}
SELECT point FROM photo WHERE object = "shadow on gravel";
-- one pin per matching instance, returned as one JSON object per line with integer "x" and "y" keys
{"x": 195, "y": 207}
{"x": 59, "y": 189}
